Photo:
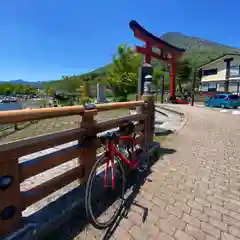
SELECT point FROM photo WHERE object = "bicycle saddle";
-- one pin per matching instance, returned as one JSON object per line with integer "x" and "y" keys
{"x": 111, "y": 135}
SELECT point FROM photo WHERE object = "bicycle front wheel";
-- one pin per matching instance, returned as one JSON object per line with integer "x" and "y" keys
{"x": 104, "y": 204}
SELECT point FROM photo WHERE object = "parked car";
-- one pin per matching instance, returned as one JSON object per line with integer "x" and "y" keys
{"x": 223, "y": 101}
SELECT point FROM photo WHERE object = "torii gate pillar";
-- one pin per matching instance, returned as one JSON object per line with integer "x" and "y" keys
{"x": 172, "y": 90}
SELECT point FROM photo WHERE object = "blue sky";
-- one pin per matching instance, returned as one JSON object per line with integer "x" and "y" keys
{"x": 43, "y": 40}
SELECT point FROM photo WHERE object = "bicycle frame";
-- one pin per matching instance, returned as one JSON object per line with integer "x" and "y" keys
{"x": 113, "y": 152}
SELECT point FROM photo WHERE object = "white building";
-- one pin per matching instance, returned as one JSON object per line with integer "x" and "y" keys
{"x": 221, "y": 74}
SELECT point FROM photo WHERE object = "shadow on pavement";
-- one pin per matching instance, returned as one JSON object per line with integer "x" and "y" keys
{"x": 11, "y": 130}
{"x": 162, "y": 132}
{"x": 78, "y": 227}
{"x": 164, "y": 151}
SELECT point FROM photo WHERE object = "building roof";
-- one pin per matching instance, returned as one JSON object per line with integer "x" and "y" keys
{"x": 219, "y": 58}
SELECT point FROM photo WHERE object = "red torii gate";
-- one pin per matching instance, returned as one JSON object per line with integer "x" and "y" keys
{"x": 168, "y": 52}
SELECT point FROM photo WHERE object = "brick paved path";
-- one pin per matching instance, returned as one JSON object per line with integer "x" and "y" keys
{"x": 193, "y": 193}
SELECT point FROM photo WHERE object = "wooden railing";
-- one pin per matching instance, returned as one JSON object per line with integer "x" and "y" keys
{"x": 12, "y": 173}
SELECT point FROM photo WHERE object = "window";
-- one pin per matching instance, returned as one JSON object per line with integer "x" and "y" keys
{"x": 204, "y": 87}
{"x": 235, "y": 70}
{"x": 221, "y": 96}
{"x": 233, "y": 86}
{"x": 212, "y": 87}
{"x": 210, "y": 72}
{"x": 233, "y": 97}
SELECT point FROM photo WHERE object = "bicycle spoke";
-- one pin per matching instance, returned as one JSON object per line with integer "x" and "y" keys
{"x": 103, "y": 210}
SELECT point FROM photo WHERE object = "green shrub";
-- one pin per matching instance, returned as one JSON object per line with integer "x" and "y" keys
{"x": 85, "y": 100}
{"x": 119, "y": 99}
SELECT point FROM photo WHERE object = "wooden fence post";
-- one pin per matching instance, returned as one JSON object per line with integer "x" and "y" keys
{"x": 150, "y": 121}
{"x": 143, "y": 109}
{"x": 88, "y": 155}
{"x": 15, "y": 126}
{"x": 10, "y": 203}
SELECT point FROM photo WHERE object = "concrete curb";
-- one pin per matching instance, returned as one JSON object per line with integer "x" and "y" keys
{"x": 183, "y": 114}
{"x": 159, "y": 111}
{"x": 170, "y": 109}
{"x": 184, "y": 122}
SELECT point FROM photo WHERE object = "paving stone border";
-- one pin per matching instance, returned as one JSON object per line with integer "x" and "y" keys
{"x": 182, "y": 113}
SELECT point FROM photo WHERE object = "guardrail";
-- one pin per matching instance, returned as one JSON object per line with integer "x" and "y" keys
{"x": 12, "y": 173}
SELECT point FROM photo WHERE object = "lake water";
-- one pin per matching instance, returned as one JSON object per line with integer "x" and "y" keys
{"x": 10, "y": 106}
{"x": 16, "y": 106}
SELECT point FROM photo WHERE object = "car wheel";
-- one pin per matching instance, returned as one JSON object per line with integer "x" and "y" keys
{"x": 235, "y": 107}
{"x": 222, "y": 105}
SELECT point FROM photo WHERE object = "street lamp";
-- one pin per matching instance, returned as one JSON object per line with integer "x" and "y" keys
{"x": 193, "y": 86}
{"x": 162, "y": 90}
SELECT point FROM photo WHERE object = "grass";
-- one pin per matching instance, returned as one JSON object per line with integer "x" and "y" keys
{"x": 159, "y": 138}
{"x": 49, "y": 126}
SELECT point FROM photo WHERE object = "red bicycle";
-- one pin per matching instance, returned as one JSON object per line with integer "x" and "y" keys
{"x": 112, "y": 177}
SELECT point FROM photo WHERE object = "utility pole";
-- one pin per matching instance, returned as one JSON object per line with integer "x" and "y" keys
{"x": 193, "y": 86}
{"x": 162, "y": 90}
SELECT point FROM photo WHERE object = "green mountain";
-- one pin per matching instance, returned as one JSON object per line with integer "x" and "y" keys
{"x": 198, "y": 50}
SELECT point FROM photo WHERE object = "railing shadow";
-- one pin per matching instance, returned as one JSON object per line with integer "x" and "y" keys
{"x": 78, "y": 225}
{"x": 162, "y": 132}
{"x": 11, "y": 129}
{"x": 129, "y": 201}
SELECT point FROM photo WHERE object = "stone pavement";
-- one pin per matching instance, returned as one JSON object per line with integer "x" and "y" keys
{"x": 171, "y": 122}
{"x": 193, "y": 193}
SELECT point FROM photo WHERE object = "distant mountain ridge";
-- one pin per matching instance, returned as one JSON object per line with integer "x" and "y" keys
{"x": 198, "y": 50}
{"x": 38, "y": 84}
{"x": 20, "y": 81}
{"x": 187, "y": 42}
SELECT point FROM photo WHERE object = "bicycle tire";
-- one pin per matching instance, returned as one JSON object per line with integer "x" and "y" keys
{"x": 143, "y": 150}
{"x": 88, "y": 206}
{"x": 142, "y": 167}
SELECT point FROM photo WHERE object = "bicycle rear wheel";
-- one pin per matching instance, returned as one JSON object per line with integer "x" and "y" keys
{"x": 142, "y": 155}
{"x": 100, "y": 200}
{"x": 144, "y": 159}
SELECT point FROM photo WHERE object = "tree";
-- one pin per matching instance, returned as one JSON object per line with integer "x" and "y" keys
{"x": 183, "y": 73}
{"x": 7, "y": 91}
{"x": 69, "y": 83}
{"x": 123, "y": 74}
{"x": 49, "y": 90}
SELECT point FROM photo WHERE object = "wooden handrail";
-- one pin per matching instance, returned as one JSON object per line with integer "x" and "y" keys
{"x": 43, "y": 163}
{"x": 11, "y": 152}
{"x": 16, "y": 116}
{"x": 30, "y": 145}
{"x": 118, "y": 105}
{"x": 33, "y": 195}
{"x": 103, "y": 126}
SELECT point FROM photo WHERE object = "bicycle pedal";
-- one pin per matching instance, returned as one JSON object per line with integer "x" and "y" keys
{"x": 125, "y": 215}
{"x": 142, "y": 167}
{"x": 140, "y": 170}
